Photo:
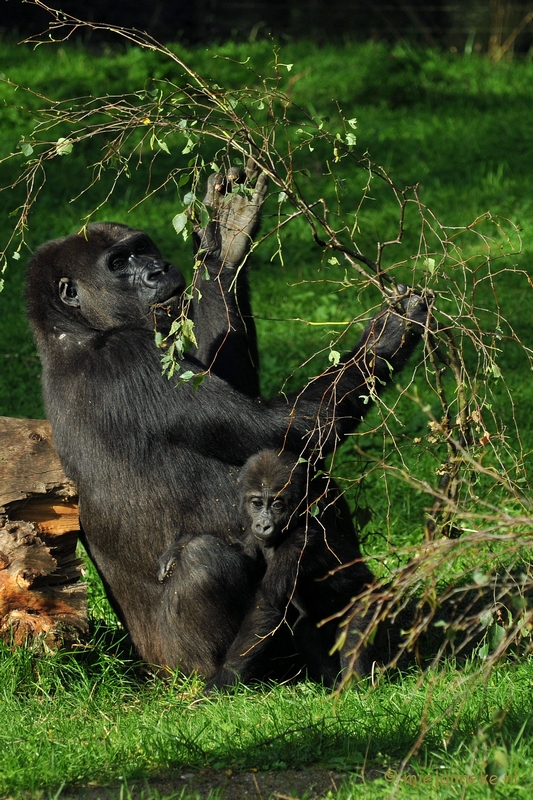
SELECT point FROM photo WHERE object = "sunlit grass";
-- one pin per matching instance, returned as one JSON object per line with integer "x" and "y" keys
{"x": 73, "y": 719}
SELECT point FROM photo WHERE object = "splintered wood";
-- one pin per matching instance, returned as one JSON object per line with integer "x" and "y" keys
{"x": 42, "y": 601}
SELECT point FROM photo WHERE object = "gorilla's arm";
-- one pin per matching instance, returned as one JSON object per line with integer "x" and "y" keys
{"x": 330, "y": 406}
{"x": 339, "y": 398}
{"x": 267, "y": 612}
{"x": 221, "y": 308}
{"x": 215, "y": 420}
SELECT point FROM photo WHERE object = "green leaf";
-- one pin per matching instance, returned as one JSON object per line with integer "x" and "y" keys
{"x": 198, "y": 379}
{"x": 483, "y": 651}
{"x": 179, "y": 346}
{"x": 351, "y": 139}
{"x": 174, "y": 328}
{"x": 480, "y": 578}
{"x": 189, "y": 147}
{"x": 169, "y": 366}
{"x": 188, "y": 332}
{"x": 352, "y": 122}
{"x": 162, "y": 146}
{"x": 180, "y": 222}
{"x": 26, "y": 148}
{"x": 520, "y": 603}
{"x": 205, "y": 217}
{"x": 486, "y": 618}
{"x": 334, "y": 357}
{"x": 497, "y": 635}
{"x": 64, "y": 147}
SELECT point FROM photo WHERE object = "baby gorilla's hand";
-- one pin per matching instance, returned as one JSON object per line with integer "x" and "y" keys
{"x": 167, "y": 562}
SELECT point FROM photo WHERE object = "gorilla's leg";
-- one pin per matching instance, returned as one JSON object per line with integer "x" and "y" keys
{"x": 317, "y": 643}
{"x": 208, "y": 589}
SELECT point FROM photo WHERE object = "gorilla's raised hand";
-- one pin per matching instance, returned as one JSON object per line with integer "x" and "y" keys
{"x": 221, "y": 307}
{"x": 236, "y": 200}
{"x": 395, "y": 331}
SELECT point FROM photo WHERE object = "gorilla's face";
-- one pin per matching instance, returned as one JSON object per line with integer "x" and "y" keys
{"x": 110, "y": 277}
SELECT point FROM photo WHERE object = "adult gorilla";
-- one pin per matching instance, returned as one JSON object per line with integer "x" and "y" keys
{"x": 154, "y": 462}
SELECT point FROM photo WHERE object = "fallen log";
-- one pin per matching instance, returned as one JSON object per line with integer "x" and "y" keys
{"x": 42, "y": 600}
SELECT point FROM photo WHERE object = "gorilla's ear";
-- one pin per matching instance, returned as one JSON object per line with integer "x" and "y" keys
{"x": 68, "y": 292}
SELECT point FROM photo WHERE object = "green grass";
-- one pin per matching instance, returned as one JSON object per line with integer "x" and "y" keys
{"x": 77, "y": 719}
{"x": 461, "y": 128}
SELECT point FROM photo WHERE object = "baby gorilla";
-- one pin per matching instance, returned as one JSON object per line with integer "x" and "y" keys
{"x": 312, "y": 566}
{"x": 272, "y": 489}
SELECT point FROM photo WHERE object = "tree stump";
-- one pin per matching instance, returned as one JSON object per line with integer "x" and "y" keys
{"x": 43, "y": 603}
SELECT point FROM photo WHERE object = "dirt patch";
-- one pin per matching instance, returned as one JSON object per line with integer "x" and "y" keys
{"x": 310, "y": 784}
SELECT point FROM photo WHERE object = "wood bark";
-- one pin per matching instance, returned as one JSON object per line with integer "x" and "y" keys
{"x": 42, "y": 600}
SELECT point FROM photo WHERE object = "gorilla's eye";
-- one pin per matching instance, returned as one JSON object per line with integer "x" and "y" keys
{"x": 141, "y": 248}
{"x": 256, "y": 502}
{"x": 278, "y": 505}
{"x": 118, "y": 263}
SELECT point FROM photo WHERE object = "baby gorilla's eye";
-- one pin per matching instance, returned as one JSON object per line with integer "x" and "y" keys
{"x": 278, "y": 505}
{"x": 256, "y": 502}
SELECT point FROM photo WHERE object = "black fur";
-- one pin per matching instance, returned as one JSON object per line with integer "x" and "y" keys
{"x": 292, "y": 519}
{"x": 155, "y": 463}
